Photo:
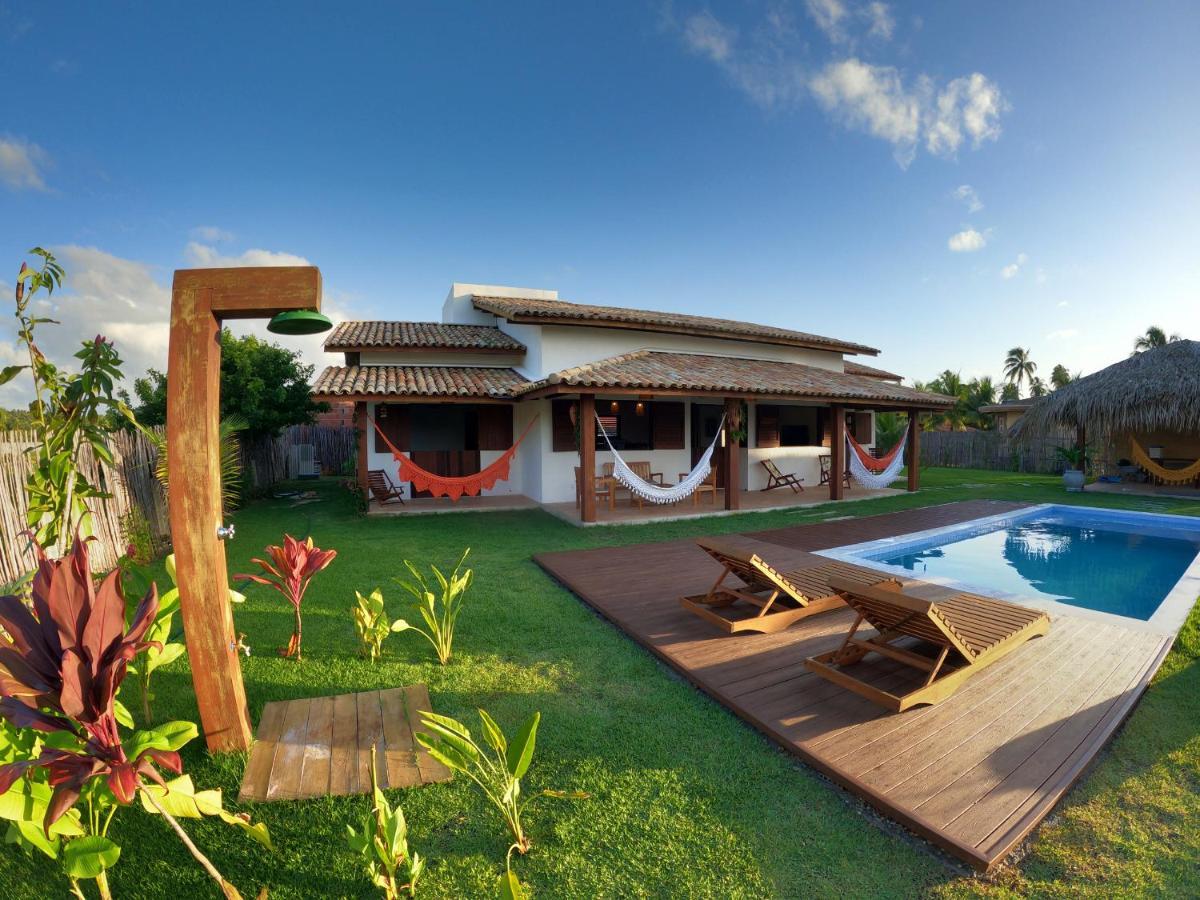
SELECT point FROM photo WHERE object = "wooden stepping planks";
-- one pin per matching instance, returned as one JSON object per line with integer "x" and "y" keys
{"x": 321, "y": 746}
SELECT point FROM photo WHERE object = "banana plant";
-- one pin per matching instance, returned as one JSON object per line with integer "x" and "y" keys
{"x": 439, "y": 610}
{"x": 382, "y": 842}
{"x": 370, "y": 620}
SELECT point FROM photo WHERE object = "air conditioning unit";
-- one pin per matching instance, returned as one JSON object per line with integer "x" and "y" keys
{"x": 301, "y": 462}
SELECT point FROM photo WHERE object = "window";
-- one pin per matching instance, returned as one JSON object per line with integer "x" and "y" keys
{"x": 630, "y": 424}
{"x": 787, "y": 426}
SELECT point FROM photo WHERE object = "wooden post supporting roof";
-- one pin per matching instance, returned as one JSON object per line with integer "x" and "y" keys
{"x": 837, "y": 452}
{"x": 200, "y": 300}
{"x": 587, "y": 457}
{"x": 914, "y": 450}
{"x": 733, "y": 478}
{"x": 363, "y": 427}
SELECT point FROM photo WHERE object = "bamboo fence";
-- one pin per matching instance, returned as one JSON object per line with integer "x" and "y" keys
{"x": 994, "y": 450}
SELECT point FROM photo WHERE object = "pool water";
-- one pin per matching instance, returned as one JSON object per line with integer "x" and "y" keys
{"x": 1110, "y": 562}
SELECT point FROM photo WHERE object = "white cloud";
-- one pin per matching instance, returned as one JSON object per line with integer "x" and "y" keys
{"x": 1063, "y": 334}
{"x": 873, "y": 99}
{"x": 967, "y": 241}
{"x": 203, "y": 256}
{"x": 969, "y": 196}
{"x": 1040, "y": 277}
{"x": 1013, "y": 268}
{"x": 1063, "y": 304}
{"x": 829, "y": 16}
{"x": 882, "y": 25}
{"x": 761, "y": 68}
{"x": 707, "y": 36}
{"x": 970, "y": 106}
{"x": 21, "y": 164}
{"x": 211, "y": 234}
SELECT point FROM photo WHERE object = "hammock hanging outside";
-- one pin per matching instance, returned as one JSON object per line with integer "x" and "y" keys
{"x": 454, "y": 487}
{"x": 657, "y": 493}
{"x": 1167, "y": 476}
{"x": 876, "y": 473}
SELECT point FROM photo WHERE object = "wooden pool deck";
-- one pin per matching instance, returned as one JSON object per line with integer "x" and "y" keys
{"x": 974, "y": 774}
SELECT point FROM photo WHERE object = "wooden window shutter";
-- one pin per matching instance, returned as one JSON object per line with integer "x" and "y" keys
{"x": 766, "y": 426}
{"x": 394, "y": 424}
{"x": 667, "y": 426}
{"x": 495, "y": 426}
{"x": 564, "y": 431}
{"x": 862, "y": 427}
{"x": 825, "y": 426}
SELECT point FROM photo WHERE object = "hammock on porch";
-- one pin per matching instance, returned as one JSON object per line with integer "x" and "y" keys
{"x": 454, "y": 486}
{"x": 1167, "y": 476}
{"x": 871, "y": 472}
{"x": 657, "y": 493}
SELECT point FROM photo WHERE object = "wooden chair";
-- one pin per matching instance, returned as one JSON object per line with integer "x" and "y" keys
{"x": 966, "y": 631}
{"x": 781, "y": 599}
{"x": 382, "y": 488}
{"x": 603, "y": 486}
{"x": 775, "y": 478}
{"x": 640, "y": 468}
{"x": 707, "y": 486}
{"x": 825, "y": 467}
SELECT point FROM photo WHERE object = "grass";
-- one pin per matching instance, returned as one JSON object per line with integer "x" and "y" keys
{"x": 686, "y": 800}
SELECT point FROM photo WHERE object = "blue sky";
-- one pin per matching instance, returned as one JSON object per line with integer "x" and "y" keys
{"x": 941, "y": 181}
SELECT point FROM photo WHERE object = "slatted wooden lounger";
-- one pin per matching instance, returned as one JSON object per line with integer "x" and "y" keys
{"x": 381, "y": 487}
{"x": 968, "y": 633}
{"x": 775, "y": 478}
{"x": 781, "y": 598}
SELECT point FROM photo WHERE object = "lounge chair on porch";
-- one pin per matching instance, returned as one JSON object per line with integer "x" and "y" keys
{"x": 966, "y": 633}
{"x": 382, "y": 488}
{"x": 781, "y": 599}
{"x": 775, "y": 478}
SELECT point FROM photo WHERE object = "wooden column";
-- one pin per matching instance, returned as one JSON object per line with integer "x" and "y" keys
{"x": 200, "y": 299}
{"x": 733, "y": 481}
{"x": 914, "y": 451}
{"x": 587, "y": 456}
{"x": 837, "y": 452}
{"x": 363, "y": 427}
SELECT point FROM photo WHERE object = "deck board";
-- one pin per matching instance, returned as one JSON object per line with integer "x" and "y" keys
{"x": 975, "y": 774}
{"x": 322, "y": 746}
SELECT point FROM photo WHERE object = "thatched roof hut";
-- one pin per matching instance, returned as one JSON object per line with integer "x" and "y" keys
{"x": 1155, "y": 391}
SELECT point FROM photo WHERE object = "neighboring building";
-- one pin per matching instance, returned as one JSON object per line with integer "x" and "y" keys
{"x": 455, "y": 394}
{"x": 1008, "y": 413}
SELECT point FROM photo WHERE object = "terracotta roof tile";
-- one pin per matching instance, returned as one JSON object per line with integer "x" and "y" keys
{"x": 528, "y": 309}
{"x": 418, "y": 381}
{"x": 857, "y": 368}
{"x": 419, "y": 336}
{"x": 653, "y": 370}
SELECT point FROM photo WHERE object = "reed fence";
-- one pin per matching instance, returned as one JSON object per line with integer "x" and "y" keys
{"x": 994, "y": 450}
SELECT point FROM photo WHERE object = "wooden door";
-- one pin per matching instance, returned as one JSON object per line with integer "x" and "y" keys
{"x": 451, "y": 463}
{"x": 706, "y": 418}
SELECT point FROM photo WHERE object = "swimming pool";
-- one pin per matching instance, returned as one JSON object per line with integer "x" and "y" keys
{"x": 1138, "y": 566}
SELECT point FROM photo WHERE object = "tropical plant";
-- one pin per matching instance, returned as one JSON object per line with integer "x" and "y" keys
{"x": 497, "y": 774}
{"x": 69, "y": 412}
{"x": 159, "y": 649}
{"x": 382, "y": 842}
{"x": 1009, "y": 393}
{"x": 889, "y": 428}
{"x": 371, "y": 622}
{"x": 1060, "y": 377}
{"x": 1153, "y": 338}
{"x": 1037, "y": 387}
{"x": 1075, "y": 457}
{"x": 294, "y": 565}
{"x": 66, "y": 769}
{"x": 230, "y": 452}
{"x": 440, "y": 611}
{"x": 1018, "y": 367}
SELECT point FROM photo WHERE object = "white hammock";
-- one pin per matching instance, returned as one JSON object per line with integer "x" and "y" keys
{"x": 657, "y": 493}
{"x": 869, "y": 479}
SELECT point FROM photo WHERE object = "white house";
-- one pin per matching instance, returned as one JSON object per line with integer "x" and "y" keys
{"x": 455, "y": 394}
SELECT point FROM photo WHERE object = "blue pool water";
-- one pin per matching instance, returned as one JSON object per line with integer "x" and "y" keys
{"x": 1118, "y": 563}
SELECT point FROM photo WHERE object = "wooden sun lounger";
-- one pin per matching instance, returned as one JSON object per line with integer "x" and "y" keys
{"x": 775, "y": 478}
{"x": 967, "y": 632}
{"x": 781, "y": 598}
{"x": 382, "y": 488}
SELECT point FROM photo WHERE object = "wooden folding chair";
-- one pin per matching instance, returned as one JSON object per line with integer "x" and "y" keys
{"x": 826, "y": 465}
{"x": 382, "y": 488}
{"x": 775, "y": 478}
{"x": 780, "y": 599}
{"x": 967, "y": 633}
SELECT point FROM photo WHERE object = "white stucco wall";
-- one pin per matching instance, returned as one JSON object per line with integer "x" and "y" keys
{"x": 802, "y": 461}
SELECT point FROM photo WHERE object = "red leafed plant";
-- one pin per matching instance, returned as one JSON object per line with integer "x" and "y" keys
{"x": 291, "y": 568}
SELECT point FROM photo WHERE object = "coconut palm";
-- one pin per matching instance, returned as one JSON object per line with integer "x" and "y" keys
{"x": 1037, "y": 388}
{"x": 1154, "y": 338}
{"x": 1009, "y": 392}
{"x": 1060, "y": 377}
{"x": 1018, "y": 367}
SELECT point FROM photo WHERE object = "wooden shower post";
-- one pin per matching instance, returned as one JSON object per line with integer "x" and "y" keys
{"x": 200, "y": 300}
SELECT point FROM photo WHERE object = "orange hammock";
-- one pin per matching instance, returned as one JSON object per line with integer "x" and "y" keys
{"x": 447, "y": 486}
{"x": 870, "y": 463}
{"x": 1167, "y": 476}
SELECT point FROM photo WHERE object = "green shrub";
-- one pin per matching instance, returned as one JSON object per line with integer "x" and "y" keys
{"x": 440, "y": 611}
{"x": 370, "y": 620}
{"x": 382, "y": 842}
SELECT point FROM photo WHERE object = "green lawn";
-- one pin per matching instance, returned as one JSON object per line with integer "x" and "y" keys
{"x": 686, "y": 800}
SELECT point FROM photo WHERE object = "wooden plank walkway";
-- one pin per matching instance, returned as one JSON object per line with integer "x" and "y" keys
{"x": 974, "y": 774}
{"x": 321, "y": 746}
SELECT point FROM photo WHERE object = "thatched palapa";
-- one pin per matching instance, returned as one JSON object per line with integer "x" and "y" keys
{"x": 1157, "y": 390}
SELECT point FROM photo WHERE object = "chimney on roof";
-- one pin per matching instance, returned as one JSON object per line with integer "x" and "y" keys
{"x": 459, "y": 309}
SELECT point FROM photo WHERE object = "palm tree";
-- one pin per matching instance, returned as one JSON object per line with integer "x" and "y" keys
{"x": 1154, "y": 338}
{"x": 1018, "y": 367}
{"x": 1037, "y": 388}
{"x": 1060, "y": 377}
{"x": 980, "y": 392}
{"x": 1009, "y": 392}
